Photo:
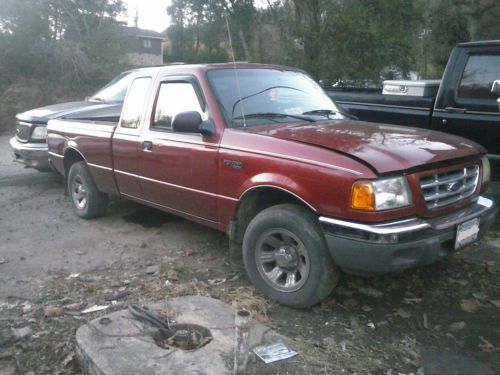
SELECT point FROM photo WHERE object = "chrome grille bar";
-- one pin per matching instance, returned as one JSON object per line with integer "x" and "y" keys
{"x": 23, "y": 131}
{"x": 446, "y": 188}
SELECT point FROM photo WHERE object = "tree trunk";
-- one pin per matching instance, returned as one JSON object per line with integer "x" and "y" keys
{"x": 244, "y": 45}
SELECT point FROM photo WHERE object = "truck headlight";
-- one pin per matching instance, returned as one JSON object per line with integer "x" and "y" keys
{"x": 380, "y": 195}
{"x": 486, "y": 169}
{"x": 40, "y": 132}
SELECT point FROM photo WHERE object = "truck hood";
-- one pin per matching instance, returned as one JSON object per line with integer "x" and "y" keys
{"x": 387, "y": 148}
{"x": 74, "y": 110}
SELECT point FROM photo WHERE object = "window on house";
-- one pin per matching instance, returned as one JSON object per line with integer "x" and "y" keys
{"x": 174, "y": 98}
{"x": 146, "y": 43}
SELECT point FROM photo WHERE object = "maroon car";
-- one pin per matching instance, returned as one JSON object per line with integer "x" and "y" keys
{"x": 261, "y": 153}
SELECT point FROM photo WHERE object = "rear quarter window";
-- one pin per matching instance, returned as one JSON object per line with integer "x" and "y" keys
{"x": 134, "y": 104}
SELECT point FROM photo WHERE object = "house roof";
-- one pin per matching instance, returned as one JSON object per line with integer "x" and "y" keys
{"x": 143, "y": 33}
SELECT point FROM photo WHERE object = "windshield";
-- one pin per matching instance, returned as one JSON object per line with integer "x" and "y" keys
{"x": 265, "y": 96}
{"x": 115, "y": 90}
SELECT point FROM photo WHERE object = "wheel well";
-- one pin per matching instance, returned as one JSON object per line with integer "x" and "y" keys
{"x": 256, "y": 200}
{"x": 71, "y": 157}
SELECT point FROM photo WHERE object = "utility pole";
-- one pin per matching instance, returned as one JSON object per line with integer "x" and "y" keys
{"x": 136, "y": 18}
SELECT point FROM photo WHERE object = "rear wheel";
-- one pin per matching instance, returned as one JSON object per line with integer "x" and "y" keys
{"x": 286, "y": 257}
{"x": 88, "y": 201}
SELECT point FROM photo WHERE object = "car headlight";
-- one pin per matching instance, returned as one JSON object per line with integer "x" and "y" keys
{"x": 381, "y": 195}
{"x": 486, "y": 170}
{"x": 40, "y": 132}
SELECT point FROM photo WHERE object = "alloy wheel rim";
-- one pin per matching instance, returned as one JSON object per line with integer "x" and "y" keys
{"x": 79, "y": 192}
{"x": 282, "y": 260}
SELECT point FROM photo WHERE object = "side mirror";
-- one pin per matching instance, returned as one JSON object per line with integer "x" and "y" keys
{"x": 495, "y": 89}
{"x": 191, "y": 122}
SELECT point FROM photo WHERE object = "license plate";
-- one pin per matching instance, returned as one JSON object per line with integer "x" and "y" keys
{"x": 467, "y": 233}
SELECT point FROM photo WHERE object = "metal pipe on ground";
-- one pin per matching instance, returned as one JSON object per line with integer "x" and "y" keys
{"x": 242, "y": 341}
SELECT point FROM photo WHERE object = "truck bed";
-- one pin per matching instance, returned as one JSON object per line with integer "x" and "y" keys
{"x": 90, "y": 138}
{"x": 372, "y": 105}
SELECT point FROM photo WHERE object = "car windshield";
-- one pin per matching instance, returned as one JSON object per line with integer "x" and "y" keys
{"x": 266, "y": 96}
{"x": 115, "y": 90}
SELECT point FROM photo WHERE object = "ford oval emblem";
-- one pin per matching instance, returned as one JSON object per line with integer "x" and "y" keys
{"x": 453, "y": 187}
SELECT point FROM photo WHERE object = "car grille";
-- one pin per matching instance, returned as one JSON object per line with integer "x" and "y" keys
{"x": 446, "y": 188}
{"x": 23, "y": 132}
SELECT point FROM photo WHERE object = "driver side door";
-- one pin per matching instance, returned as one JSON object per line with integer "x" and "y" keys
{"x": 179, "y": 170}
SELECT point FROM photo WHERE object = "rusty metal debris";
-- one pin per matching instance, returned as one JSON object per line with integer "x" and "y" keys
{"x": 185, "y": 336}
{"x": 182, "y": 336}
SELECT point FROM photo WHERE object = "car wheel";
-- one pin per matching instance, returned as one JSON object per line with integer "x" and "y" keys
{"x": 88, "y": 201}
{"x": 286, "y": 257}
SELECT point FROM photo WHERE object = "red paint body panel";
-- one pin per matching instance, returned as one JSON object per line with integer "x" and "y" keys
{"x": 203, "y": 178}
{"x": 125, "y": 158}
{"x": 181, "y": 174}
{"x": 92, "y": 141}
{"x": 388, "y": 148}
{"x": 319, "y": 177}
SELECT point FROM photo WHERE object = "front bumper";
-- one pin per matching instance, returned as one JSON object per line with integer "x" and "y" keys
{"x": 365, "y": 249}
{"x": 34, "y": 155}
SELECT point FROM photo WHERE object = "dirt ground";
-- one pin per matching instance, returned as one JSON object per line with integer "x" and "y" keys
{"x": 441, "y": 319}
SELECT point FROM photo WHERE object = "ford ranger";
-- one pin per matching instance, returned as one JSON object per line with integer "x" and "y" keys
{"x": 261, "y": 153}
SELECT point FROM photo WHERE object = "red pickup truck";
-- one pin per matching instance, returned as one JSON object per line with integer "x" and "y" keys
{"x": 262, "y": 153}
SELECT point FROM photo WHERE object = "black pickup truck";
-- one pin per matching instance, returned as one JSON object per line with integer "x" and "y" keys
{"x": 464, "y": 102}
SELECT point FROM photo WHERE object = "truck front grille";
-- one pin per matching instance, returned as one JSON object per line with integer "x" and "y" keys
{"x": 23, "y": 131}
{"x": 446, "y": 188}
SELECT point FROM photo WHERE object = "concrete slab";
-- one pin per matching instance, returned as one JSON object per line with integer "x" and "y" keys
{"x": 119, "y": 344}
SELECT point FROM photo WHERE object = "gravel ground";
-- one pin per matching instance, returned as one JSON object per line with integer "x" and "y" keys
{"x": 437, "y": 319}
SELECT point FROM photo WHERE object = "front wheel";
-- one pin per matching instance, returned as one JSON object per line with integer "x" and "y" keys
{"x": 286, "y": 256}
{"x": 88, "y": 201}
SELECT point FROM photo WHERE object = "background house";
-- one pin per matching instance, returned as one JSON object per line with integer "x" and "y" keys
{"x": 145, "y": 47}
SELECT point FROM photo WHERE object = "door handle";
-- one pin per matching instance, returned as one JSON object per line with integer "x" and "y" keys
{"x": 147, "y": 146}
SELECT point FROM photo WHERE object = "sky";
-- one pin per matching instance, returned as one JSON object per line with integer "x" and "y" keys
{"x": 152, "y": 13}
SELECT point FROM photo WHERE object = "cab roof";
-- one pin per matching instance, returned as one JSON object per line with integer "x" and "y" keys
{"x": 480, "y": 43}
{"x": 206, "y": 67}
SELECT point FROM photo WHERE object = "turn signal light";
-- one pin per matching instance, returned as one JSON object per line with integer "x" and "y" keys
{"x": 363, "y": 196}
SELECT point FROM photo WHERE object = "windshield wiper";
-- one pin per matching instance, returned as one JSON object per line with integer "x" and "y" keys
{"x": 328, "y": 112}
{"x": 320, "y": 112}
{"x": 261, "y": 92}
{"x": 272, "y": 115}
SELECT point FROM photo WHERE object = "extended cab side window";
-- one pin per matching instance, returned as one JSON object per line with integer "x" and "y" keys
{"x": 174, "y": 98}
{"x": 135, "y": 102}
{"x": 478, "y": 77}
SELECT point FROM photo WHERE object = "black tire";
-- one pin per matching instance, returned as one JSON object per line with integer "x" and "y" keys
{"x": 287, "y": 238}
{"x": 88, "y": 201}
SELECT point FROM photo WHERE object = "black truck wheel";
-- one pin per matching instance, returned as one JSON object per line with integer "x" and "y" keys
{"x": 88, "y": 202}
{"x": 286, "y": 257}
